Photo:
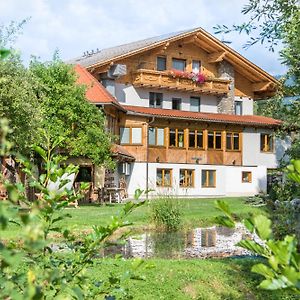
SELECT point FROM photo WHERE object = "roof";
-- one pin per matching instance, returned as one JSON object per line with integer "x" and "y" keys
{"x": 96, "y": 92}
{"x": 119, "y": 150}
{"x": 250, "y": 120}
{"x": 112, "y": 54}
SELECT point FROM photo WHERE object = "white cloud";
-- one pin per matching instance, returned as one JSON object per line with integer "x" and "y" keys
{"x": 74, "y": 26}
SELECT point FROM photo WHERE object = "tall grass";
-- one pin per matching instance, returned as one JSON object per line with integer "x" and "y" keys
{"x": 166, "y": 213}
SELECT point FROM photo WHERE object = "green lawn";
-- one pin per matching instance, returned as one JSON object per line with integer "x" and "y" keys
{"x": 191, "y": 279}
{"x": 196, "y": 212}
{"x": 175, "y": 279}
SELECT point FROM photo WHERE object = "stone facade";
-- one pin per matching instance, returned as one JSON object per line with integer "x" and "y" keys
{"x": 226, "y": 103}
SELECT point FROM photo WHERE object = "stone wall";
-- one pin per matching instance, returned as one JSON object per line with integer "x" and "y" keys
{"x": 226, "y": 102}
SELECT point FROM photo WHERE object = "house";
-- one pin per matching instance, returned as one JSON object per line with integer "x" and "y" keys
{"x": 182, "y": 107}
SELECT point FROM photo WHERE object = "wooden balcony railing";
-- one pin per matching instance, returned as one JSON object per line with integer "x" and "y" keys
{"x": 164, "y": 80}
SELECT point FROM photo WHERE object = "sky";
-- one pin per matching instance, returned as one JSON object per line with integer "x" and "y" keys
{"x": 75, "y": 26}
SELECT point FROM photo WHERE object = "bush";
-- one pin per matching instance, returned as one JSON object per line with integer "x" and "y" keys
{"x": 166, "y": 213}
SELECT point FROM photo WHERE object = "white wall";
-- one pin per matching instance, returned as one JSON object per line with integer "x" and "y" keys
{"x": 247, "y": 105}
{"x": 140, "y": 97}
{"x": 252, "y": 156}
{"x": 228, "y": 180}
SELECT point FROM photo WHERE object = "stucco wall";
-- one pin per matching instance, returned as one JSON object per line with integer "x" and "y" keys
{"x": 140, "y": 97}
{"x": 252, "y": 156}
{"x": 228, "y": 180}
{"x": 247, "y": 105}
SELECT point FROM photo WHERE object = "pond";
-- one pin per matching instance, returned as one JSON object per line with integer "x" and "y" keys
{"x": 213, "y": 242}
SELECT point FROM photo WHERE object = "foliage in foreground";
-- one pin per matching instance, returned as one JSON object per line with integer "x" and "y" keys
{"x": 36, "y": 267}
{"x": 282, "y": 267}
{"x": 166, "y": 213}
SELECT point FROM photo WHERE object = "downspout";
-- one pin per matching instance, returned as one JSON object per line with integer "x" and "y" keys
{"x": 147, "y": 158}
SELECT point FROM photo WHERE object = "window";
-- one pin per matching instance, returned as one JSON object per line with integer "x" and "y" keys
{"x": 232, "y": 141}
{"x": 125, "y": 135}
{"x": 176, "y": 103}
{"x": 84, "y": 174}
{"x": 195, "y": 139}
{"x": 266, "y": 142}
{"x": 246, "y": 177}
{"x": 186, "y": 178}
{"x": 238, "y": 107}
{"x": 196, "y": 65}
{"x": 155, "y": 99}
{"x": 131, "y": 135}
{"x": 156, "y": 136}
{"x": 208, "y": 178}
{"x": 214, "y": 140}
{"x": 164, "y": 177}
{"x": 161, "y": 63}
{"x": 195, "y": 104}
{"x": 178, "y": 64}
{"x": 176, "y": 138}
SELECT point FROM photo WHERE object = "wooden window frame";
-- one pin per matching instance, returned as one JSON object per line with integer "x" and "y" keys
{"x": 249, "y": 176}
{"x": 207, "y": 179}
{"x": 164, "y": 57}
{"x": 156, "y": 137}
{"x": 163, "y": 170}
{"x": 196, "y": 131}
{"x": 214, "y": 140}
{"x": 232, "y": 133}
{"x": 180, "y": 59}
{"x": 186, "y": 178}
{"x": 176, "y": 138}
{"x": 200, "y": 64}
{"x": 266, "y": 145}
{"x": 130, "y": 136}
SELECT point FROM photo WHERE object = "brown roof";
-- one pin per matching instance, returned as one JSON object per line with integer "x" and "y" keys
{"x": 119, "y": 150}
{"x": 96, "y": 92}
{"x": 201, "y": 116}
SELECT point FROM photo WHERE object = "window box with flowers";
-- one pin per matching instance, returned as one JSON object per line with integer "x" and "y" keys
{"x": 195, "y": 77}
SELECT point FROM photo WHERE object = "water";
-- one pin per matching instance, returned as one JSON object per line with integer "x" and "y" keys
{"x": 213, "y": 242}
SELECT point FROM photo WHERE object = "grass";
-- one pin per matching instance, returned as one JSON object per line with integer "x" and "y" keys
{"x": 191, "y": 279}
{"x": 196, "y": 213}
{"x": 169, "y": 278}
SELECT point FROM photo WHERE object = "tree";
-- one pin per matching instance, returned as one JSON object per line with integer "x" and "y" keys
{"x": 18, "y": 101}
{"x": 67, "y": 113}
{"x": 19, "y": 104}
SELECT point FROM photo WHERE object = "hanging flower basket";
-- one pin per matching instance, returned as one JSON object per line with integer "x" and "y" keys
{"x": 196, "y": 77}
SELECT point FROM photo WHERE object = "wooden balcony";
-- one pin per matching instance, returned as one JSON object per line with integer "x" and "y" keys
{"x": 164, "y": 80}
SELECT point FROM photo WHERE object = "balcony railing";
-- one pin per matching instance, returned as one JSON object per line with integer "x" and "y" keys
{"x": 164, "y": 80}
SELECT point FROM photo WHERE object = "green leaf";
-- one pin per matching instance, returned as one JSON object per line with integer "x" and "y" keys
{"x": 263, "y": 270}
{"x": 263, "y": 226}
{"x": 225, "y": 221}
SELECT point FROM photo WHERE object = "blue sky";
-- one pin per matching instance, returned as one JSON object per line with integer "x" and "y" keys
{"x": 74, "y": 26}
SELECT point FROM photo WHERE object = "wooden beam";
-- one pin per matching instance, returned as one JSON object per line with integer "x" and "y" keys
{"x": 260, "y": 86}
{"x": 216, "y": 56}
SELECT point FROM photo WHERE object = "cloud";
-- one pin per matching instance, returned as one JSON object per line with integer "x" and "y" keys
{"x": 74, "y": 26}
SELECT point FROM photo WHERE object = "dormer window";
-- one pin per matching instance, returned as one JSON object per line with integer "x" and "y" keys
{"x": 178, "y": 64}
{"x": 161, "y": 63}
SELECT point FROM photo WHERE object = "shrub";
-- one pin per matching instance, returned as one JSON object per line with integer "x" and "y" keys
{"x": 166, "y": 213}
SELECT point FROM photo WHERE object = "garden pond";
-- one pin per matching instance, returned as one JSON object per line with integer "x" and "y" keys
{"x": 213, "y": 242}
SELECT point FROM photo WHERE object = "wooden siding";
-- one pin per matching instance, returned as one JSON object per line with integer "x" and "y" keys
{"x": 169, "y": 154}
